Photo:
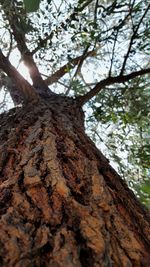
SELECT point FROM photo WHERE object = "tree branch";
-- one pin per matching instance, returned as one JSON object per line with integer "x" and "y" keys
{"x": 19, "y": 36}
{"x": 64, "y": 69}
{"x": 108, "y": 81}
{"x": 132, "y": 40}
{"x": 23, "y": 87}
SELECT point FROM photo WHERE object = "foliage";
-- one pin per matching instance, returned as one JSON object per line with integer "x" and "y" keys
{"x": 31, "y": 6}
{"x": 124, "y": 114}
{"x": 112, "y": 39}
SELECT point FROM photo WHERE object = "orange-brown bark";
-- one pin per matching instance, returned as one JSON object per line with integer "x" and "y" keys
{"x": 61, "y": 202}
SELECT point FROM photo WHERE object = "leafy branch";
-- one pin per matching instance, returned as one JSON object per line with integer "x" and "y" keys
{"x": 109, "y": 81}
{"x": 59, "y": 28}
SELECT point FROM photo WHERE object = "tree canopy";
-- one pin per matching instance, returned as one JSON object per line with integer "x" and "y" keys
{"x": 97, "y": 51}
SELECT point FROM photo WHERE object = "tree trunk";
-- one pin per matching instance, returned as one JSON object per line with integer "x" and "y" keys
{"x": 62, "y": 204}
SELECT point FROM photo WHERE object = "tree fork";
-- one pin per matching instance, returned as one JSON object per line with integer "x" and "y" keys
{"x": 26, "y": 90}
{"x": 62, "y": 204}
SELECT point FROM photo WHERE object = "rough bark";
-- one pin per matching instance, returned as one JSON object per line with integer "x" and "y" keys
{"x": 62, "y": 204}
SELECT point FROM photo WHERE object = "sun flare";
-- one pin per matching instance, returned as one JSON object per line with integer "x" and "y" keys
{"x": 21, "y": 68}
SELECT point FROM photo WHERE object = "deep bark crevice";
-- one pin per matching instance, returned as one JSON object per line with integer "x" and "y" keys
{"x": 85, "y": 253}
{"x": 5, "y": 200}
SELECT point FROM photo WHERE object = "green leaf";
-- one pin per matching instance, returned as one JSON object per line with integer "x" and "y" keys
{"x": 31, "y": 5}
{"x": 146, "y": 189}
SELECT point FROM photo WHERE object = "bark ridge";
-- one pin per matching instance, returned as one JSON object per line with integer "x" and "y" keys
{"x": 62, "y": 204}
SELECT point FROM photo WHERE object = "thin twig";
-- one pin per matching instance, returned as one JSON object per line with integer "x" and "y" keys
{"x": 80, "y": 63}
{"x": 95, "y": 11}
{"x": 132, "y": 40}
{"x": 11, "y": 44}
{"x": 113, "y": 52}
{"x": 64, "y": 69}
